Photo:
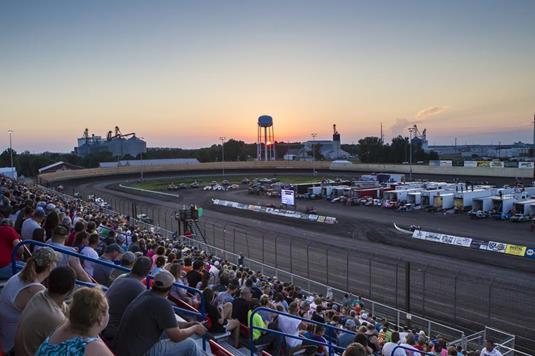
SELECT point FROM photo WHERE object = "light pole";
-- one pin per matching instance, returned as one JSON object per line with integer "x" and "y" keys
{"x": 10, "y": 132}
{"x": 222, "y": 138}
{"x": 313, "y": 153}
{"x": 412, "y": 130}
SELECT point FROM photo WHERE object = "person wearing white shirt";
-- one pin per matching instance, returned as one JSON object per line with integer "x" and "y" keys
{"x": 89, "y": 251}
{"x": 290, "y": 326}
{"x": 490, "y": 350}
{"x": 31, "y": 224}
{"x": 388, "y": 348}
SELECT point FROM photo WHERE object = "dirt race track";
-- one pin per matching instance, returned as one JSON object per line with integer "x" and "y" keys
{"x": 363, "y": 254}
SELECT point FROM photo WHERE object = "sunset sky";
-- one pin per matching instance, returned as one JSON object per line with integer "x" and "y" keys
{"x": 184, "y": 73}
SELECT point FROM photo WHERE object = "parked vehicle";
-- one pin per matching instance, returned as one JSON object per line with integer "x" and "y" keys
{"x": 194, "y": 185}
{"x": 144, "y": 218}
{"x": 172, "y": 187}
{"x": 478, "y": 214}
{"x": 245, "y": 181}
{"x": 406, "y": 207}
{"x": 208, "y": 187}
{"x": 519, "y": 218}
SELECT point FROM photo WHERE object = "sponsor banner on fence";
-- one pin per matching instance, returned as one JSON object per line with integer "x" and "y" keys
{"x": 446, "y": 163}
{"x": 530, "y": 252}
{"x": 483, "y": 163}
{"x": 516, "y": 250}
{"x": 471, "y": 164}
{"x": 278, "y": 212}
{"x": 496, "y": 164}
{"x": 495, "y": 247}
{"x": 442, "y": 238}
{"x": 527, "y": 165}
{"x": 479, "y": 244}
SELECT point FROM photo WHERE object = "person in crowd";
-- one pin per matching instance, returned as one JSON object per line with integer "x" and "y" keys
{"x": 127, "y": 261}
{"x": 58, "y": 240}
{"x": 355, "y": 349}
{"x": 345, "y": 339}
{"x": 160, "y": 251}
{"x": 315, "y": 333}
{"x": 490, "y": 349}
{"x": 44, "y": 312}
{"x": 18, "y": 291}
{"x": 177, "y": 292}
{"x": 122, "y": 291}
{"x": 32, "y": 223}
{"x": 195, "y": 275}
{"x": 51, "y": 222}
{"x": 79, "y": 226}
{"x": 25, "y": 213}
{"x": 150, "y": 315}
{"x": 39, "y": 235}
{"x": 373, "y": 340}
{"x": 158, "y": 265}
{"x": 240, "y": 305}
{"x": 291, "y": 326}
{"x": 90, "y": 251}
{"x": 274, "y": 341}
{"x": 8, "y": 240}
{"x": 409, "y": 348}
{"x": 388, "y": 348}
{"x": 87, "y": 317}
{"x": 227, "y": 295}
{"x": 101, "y": 273}
{"x": 362, "y": 339}
{"x": 220, "y": 320}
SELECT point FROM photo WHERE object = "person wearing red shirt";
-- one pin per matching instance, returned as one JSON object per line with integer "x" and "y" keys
{"x": 8, "y": 240}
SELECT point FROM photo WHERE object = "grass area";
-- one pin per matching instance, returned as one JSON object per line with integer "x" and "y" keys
{"x": 161, "y": 185}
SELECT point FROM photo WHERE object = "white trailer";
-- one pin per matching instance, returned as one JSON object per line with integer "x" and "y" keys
{"x": 502, "y": 204}
{"x": 443, "y": 201}
{"x": 524, "y": 207}
{"x": 428, "y": 197}
{"x": 415, "y": 198}
{"x": 464, "y": 199}
{"x": 482, "y": 204}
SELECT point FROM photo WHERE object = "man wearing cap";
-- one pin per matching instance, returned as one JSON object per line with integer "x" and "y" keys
{"x": 122, "y": 291}
{"x": 345, "y": 339}
{"x": 58, "y": 240}
{"x": 101, "y": 273}
{"x": 150, "y": 316}
{"x": 32, "y": 223}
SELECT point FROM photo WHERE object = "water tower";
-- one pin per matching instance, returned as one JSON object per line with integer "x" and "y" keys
{"x": 265, "y": 144}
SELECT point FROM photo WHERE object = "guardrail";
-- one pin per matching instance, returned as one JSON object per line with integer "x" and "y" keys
{"x": 201, "y": 314}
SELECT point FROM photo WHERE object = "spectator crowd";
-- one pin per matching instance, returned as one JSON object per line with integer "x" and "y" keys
{"x": 43, "y": 312}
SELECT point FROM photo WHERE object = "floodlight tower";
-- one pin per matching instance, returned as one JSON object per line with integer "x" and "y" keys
{"x": 265, "y": 144}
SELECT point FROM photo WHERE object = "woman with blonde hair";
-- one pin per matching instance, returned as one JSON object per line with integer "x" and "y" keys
{"x": 87, "y": 317}
{"x": 18, "y": 291}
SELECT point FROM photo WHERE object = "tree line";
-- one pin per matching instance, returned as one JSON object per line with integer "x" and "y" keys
{"x": 368, "y": 150}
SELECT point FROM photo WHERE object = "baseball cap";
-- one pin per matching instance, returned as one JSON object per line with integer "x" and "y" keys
{"x": 45, "y": 256}
{"x": 113, "y": 248}
{"x": 350, "y": 323}
{"x": 164, "y": 279}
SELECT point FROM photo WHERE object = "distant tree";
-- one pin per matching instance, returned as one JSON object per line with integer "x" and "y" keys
{"x": 371, "y": 150}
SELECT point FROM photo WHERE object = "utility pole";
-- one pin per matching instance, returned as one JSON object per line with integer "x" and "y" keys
{"x": 314, "y": 153}
{"x": 412, "y": 130}
{"x": 222, "y": 138}
{"x": 11, "y": 153}
{"x": 141, "y": 159}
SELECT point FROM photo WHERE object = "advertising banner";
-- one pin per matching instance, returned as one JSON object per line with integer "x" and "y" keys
{"x": 516, "y": 250}
{"x": 483, "y": 164}
{"x": 470, "y": 164}
{"x": 287, "y": 197}
{"x": 496, "y": 246}
{"x": 526, "y": 165}
{"x": 530, "y": 252}
{"x": 496, "y": 164}
{"x": 446, "y": 163}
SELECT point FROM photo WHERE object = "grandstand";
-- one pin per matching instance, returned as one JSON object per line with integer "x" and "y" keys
{"x": 276, "y": 313}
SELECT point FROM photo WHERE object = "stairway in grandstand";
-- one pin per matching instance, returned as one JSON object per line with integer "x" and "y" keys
{"x": 197, "y": 232}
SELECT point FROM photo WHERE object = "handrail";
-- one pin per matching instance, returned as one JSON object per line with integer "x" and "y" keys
{"x": 329, "y": 344}
{"x": 413, "y": 350}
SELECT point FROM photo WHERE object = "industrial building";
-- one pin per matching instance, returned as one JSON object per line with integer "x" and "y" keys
{"x": 330, "y": 150}
{"x": 117, "y": 143}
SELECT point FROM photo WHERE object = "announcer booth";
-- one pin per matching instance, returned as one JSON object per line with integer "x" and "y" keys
{"x": 288, "y": 197}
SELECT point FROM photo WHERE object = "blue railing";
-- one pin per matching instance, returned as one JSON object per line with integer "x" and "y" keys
{"x": 329, "y": 344}
{"x": 411, "y": 349}
{"x": 200, "y": 314}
